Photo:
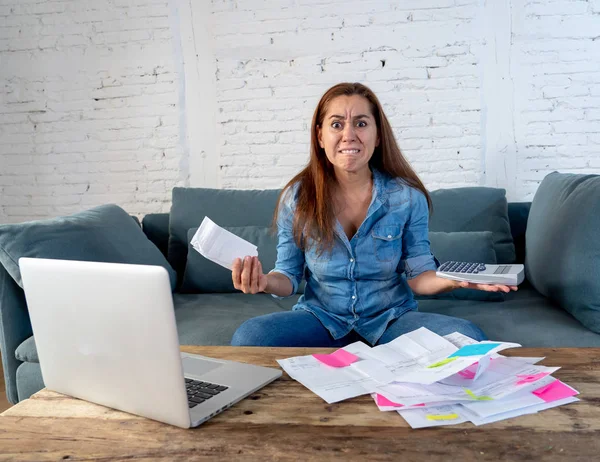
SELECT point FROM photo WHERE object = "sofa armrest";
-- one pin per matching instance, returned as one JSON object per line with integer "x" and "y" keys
{"x": 15, "y": 327}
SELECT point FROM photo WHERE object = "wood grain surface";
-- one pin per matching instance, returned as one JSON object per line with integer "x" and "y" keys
{"x": 285, "y": 421}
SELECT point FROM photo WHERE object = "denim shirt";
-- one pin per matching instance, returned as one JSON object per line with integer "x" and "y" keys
{"x": 361, "y": 284}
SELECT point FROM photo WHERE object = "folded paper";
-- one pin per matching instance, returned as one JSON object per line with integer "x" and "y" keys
{"x": 219, "y": 245}
{"x": 478, "y": 398}
{"x": 531, "y": 378}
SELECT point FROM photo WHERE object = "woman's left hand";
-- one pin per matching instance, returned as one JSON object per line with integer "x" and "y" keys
{"x": 485, "y": 287}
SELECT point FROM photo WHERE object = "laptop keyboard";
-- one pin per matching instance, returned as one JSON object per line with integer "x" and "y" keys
{"x": 198, "y": 391}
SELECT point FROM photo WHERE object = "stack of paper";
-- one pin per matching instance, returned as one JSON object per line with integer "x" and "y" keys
{"x": 432, "y": 380}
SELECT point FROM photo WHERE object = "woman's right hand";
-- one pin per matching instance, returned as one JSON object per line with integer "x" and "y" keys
{"x": 247, "y": 275}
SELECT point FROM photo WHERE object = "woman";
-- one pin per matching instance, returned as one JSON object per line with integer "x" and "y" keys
{"x": 354, "y": 222}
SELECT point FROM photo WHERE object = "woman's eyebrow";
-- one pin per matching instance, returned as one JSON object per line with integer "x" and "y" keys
{"x": 359, "y": 116}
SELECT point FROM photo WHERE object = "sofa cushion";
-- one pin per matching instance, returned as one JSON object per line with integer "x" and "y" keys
{"x": 202, "y": 275}
{"x": 224, "y": 207}
{"x": 211, "y": 319}
{"x": 103, "y": 234}
{"x": 473, "y": 246}
{"x": 525, "y": 317}
{"x": 562, "y": 258}
{"x": 29, "y": 380}
{"x": 475, "y": 209}
{"x": 27, "y": 351}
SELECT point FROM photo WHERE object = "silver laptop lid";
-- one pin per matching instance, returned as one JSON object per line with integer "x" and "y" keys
{"x": 106, "y": 333}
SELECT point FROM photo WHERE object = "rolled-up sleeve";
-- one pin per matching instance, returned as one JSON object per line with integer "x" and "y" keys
{"x": 416, "y": 252}
{"x": 290, "y": 258}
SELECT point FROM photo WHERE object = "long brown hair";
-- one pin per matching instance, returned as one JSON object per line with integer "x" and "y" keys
{"x": 314, "y": 214}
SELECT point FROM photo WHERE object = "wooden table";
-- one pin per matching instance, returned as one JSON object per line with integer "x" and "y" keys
{"x": 285, "y": 421}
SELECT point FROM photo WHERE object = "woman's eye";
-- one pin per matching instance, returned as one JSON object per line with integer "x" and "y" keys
{"x": 361, "y": 124}
{"x": 336, "y": 125}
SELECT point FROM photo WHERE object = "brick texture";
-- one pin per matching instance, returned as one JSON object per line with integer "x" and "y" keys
{"x": 423, "y": 60}
{"x": 88, "y": 107}
{"x": 556, "y": 46}
{"x": 90, "y": 97}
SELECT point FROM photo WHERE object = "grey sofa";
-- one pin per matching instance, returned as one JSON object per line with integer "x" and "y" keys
{"x": 525, "y": 316}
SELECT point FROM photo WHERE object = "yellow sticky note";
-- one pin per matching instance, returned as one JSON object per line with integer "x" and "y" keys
{"x": 478, "y": 398}
{"x": 442, "y": 417}
{"x": 442, "y": 362}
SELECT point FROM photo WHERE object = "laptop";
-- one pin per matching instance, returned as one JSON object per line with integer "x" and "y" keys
{"x": 106, "y": 333}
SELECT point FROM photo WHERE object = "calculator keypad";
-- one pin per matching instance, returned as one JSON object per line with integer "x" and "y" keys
{"x": 462, "y": 267}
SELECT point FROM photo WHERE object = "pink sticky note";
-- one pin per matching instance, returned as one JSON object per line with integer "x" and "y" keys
{"x": 339, "y": 358}
{"x": 470, "y": 372}
{"x": 383, "y": 401}
{"x": 555, "y": 391}
{"x": 531, "y": 378}
{"x": 467, "y": 374}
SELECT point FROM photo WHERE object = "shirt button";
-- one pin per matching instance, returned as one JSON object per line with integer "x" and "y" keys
{"x": 354, "y": 297}
{"x": 351, "y": 260}
{"x": 389, "y": 236}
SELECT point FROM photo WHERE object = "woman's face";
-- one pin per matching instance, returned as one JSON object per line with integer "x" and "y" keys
{"x": 348, "y": 133}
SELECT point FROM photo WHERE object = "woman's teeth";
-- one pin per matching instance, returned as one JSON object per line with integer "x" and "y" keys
{"x": 349, "y": 151}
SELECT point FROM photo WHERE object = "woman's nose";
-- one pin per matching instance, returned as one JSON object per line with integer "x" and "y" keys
{"x": 348, "y": 133}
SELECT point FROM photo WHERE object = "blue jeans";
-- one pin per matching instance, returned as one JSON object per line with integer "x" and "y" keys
{"x": 302, "y": 329}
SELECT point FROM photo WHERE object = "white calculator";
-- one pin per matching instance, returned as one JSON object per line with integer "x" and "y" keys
{"x": 482, "y": 273}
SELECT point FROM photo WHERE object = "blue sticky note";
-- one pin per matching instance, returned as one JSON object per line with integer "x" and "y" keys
{"x": 475, "y": 349}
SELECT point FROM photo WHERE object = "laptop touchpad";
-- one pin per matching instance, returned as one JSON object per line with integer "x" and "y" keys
{"x": 196, "y": 366}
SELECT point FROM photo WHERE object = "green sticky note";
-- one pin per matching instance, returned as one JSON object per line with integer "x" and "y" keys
{"x": 442, "y": 362}
{"x": 478, "y": 398}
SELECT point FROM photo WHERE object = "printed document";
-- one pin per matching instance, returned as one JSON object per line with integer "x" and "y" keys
{"x": 422, "y": 356}
{"x": 503, "y": 377}
{"x": 333, "y": 384}
{"x": 219, "y": 245}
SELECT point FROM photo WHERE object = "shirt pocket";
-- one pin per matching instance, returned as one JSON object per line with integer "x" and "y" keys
{"x": 316, "y": 262}
{"x": 387, "y": 242}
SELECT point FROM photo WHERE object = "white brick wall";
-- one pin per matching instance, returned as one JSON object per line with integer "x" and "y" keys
{"x": 88, "y": 107}
{"x": 442, "y": 85}
{"x": 92, "y": 112}
{"x": 556, "y": 52}
{"x": 275, "y": 60}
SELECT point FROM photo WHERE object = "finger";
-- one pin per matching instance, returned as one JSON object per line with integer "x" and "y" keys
{"x": 246, "y": 275}
{"x": 490, "y": 287}
{"x": 261, "y": 278}
{"x": 235, "y": 273}
{"x": 254, "y": 275}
